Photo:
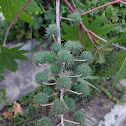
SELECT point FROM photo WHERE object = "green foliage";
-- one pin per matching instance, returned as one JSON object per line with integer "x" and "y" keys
{"x": 8, "y": 56}
{"x": 52, "y": 30}
{"x": 48, "y": 90}
{"x": 40, "y": 57}
{"x": 74, "y": 47}
{"x": 68, "y": 124}
{"x": 66, "y": 57}
{"x": 96, "y": 27}
{"x": 76, "y": 17}
{"x": 64, "y": 82}
{"x": 83, "y": 69}
{"x": 58, "y": 108}
{"x": 56, "y": 47}
{"x": 120, "y": 65}
{"x": 86, "y": 55}
{"x": 41, "y": 77}
{"x": 70, "y": 103}
{"x": 79, "y": 117}
{"x": 55, "y": 69}
{"x": 40, "y": 98}
{"x": 3, "y": 95}
{"x": 10, "y": 8}
{"x": 81, "y": 87}
{"x": 51, "y": 57}
{"x": 45, "y": 121}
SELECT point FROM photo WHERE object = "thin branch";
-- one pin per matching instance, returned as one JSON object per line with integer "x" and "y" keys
{"x": 58, "y": 18}
{"x": 67, "y": 19}
{"x": 49, "y": 83}
{"x": 80, "y": 60}
{"x": 74, "y": 5}
{"x": 62, "y": 120}
{"x": 116, "y": 1}
{"x": 122, "y": 2}
{"x": 58, "y": 124}
{"x": 61, "y": 94}
{"x": 4, "y": 44}
{"x": 76, "y": 123}
{"x": 54, "y": 38}
{"x": 74, "y": 92}
{"x": 46, "y": 105}
{"x": 66, "y": 105}
{"x": 54, "y": 94}
{"x": 75, "y": 76}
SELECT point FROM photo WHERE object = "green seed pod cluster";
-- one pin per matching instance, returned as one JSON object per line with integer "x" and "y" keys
{"x": 56, "y": 47}
{"x": 86, "y": 55}
{"x": 76, "y": 17}
{"x": 48, "y": 90}
{"x": 41, "y": 77}
{"x": 41, "y": 98}
{"x": 68, "y": 124}
{"x": 83, "y": 69}
{"x": 40, "y": 57}
{"x": 84, "y": 88}
{"x": 74, "y": 47}
{"x": 64, "y": 82}
{"x": 45, "y": 121}
{"x": 64, "y": 56}
{"x": 58, "y": 108}
{"x": 52, "y": 30}
{"x": 51, "y": 57}
{"x": 55, "y": 69}
{"x": 79, "y": 117}
{"x": 70, "y": 103}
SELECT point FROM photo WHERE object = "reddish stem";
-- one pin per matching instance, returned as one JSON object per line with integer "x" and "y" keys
{"x": 116, "y": 1}
{"x": 4, "y": 44}
{"x": 74, "y": 5}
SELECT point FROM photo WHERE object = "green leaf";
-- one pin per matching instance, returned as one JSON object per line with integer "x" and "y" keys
{"x": 121, "y": 73}
{"x": 119, "y": 59}
{"x": 122, "y": 40}
{"x": 8, "y": 56}
{"x": 86, "y": 82}
{"x": 10, "y": 9}
{"x": 91, "y": 77}
{"x": 72, "y": 33}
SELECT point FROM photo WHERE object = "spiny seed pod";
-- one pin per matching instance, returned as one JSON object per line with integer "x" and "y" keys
{"x": 56, "y": 47}
{"x": 79, "y": 117}
{"x": 64, "y": 56}
{"x": 40, "y": 57}
{"x": 41, "y": 98}
{"x": 55, "y": 69}
{"x": 52, "y": 30}
{"x": 84, "y": 88}
{"x": 58, "y": 108}
{"x": 48, "y": 91}
{"x": 45, "y": 121}
{"x": 86, "y": 55}
{"x": 70, "y": 103}
{"x": 83, "y": 69}
{"x": 41, "y": 77}
{"x": 76, "y": 17}
{"x": 74, "y": 47}
{"x": 64, "y": 82}
{"x": 68, "y": 124}
{"x": 51, "y": 57}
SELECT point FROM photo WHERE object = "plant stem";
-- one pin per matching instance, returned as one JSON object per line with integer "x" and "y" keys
{"x": 49, "y": 83}
{"x": 122, "y": 2}
{"x": 66, "y": 19}
{"x": 116, "y": 1}
{"x": 4, "y": 44}
{"x": 62, "y": 120}
{"x": 75, "y": 76}
{"x": 74, "y": 92}
{"x": 46, "y": 105}
{"x": 58, "y": 18}
{"x": 76, "y": 123}
{"x": 74, "y": 5}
